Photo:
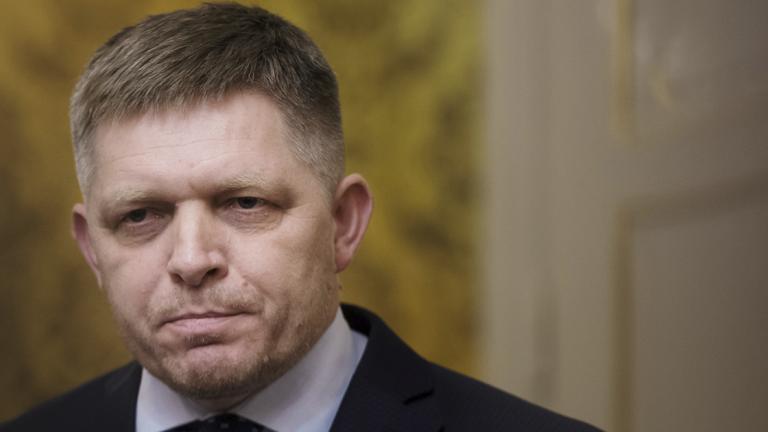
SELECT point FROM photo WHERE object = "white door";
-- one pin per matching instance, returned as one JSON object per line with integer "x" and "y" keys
{"x": 627, "y": 227}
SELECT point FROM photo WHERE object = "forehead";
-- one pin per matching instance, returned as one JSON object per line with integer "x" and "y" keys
{"x": 243, "y": 136}
{"x": 246, "y": 116}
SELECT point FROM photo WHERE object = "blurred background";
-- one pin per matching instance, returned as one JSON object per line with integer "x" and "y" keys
{"x": 571, "y": 197}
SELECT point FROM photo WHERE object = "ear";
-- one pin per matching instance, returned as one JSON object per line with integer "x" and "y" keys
{"x": 80, "y": 233}
{"x": 352, "y": 206}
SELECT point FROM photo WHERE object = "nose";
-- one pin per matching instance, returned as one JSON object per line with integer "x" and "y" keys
{"x": 197, "y": 256}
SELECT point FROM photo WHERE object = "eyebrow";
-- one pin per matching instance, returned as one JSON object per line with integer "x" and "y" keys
{"x": 122, "y": 196}
{"x": 129, "y": 195}
{"x": 241, "y": 181}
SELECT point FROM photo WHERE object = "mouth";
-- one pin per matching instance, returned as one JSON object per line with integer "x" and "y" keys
{"x": 202, "y": 323}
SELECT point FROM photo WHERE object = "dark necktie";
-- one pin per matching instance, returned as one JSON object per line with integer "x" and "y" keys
{"x": 221, "y": 423}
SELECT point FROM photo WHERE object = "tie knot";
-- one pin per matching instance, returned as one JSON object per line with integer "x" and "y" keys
{"x": 221, "y": 423}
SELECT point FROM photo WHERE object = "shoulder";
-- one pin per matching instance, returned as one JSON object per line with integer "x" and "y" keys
{"x": 468, "y": 404}
{"x": 102, "y": 402}
{"x": 459, "y": 403}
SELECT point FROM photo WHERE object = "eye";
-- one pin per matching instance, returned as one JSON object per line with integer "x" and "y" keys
{"x": 249, "y": 212}
{"x": 136, "y": 216}
{"x": 140, "y": 224}
{"x": 248, "y": 202}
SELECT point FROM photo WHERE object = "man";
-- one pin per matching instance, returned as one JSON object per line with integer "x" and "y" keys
{"x": 216, "y": 217}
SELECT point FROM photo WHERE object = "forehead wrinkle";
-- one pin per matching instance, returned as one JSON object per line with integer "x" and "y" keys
{"x": 159, "y": 146}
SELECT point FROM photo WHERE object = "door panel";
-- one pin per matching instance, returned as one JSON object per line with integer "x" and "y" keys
{"x": 700, "y": 309}
{"x": 627, "y": 227}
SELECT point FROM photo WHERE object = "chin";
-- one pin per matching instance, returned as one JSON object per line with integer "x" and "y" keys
{"x": 205, "y": 369}
{"x": 216, "y": 372}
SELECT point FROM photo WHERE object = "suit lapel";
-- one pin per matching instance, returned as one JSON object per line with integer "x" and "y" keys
{"x": 391, "y": 390}
{"x": 118, "y": 407}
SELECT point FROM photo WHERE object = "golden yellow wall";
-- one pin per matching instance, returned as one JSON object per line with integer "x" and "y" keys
{"x": 409, "y": 79}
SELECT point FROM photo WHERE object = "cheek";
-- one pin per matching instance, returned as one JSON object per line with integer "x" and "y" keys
{"x": 290, "y": 266}
{"x": 130, "y": 278}
{"x": 311, "y": 256}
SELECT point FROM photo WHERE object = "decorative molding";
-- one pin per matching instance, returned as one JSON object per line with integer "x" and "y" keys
{"x": 623, "y": 64}
{"x": 647, "y": 212}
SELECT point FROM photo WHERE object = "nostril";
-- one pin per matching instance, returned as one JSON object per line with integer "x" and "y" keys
{"x": 217, "y": 271}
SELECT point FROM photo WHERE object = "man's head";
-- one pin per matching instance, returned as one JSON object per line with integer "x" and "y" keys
{"x": 215, "y": 216}
{"x": 180, "y": 59}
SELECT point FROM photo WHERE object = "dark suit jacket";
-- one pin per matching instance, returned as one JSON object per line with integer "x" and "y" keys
{"x": 393, "y": 389}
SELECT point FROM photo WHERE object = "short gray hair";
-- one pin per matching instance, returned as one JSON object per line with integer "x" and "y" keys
{"x": 191, "y": 56}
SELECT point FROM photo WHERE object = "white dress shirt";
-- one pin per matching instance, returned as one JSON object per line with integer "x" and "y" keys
{"x": 305, "y": 399}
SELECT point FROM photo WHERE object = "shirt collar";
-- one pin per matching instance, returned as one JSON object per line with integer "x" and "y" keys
{"x": 304, "y": 399}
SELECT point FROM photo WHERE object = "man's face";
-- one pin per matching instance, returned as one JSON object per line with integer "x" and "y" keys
{"x": 214, "y": 244}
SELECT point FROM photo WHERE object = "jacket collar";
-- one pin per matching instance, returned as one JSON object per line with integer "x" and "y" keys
{"x": 118, "y": 411}
{"x": 392, "y": 387}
